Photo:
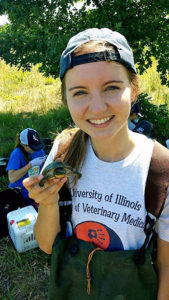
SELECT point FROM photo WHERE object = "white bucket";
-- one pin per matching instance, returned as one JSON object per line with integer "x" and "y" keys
{"x": 20, "y": 226}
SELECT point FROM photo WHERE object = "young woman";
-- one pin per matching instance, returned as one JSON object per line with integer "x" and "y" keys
{"x": 99, "y": 86}
{"x": 25, "y": 160}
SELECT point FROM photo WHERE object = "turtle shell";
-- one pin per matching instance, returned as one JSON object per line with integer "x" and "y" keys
{"x": 52, "y": 167}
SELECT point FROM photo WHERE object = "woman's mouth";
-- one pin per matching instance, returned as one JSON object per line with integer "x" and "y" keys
{"x": 100, "y": 121}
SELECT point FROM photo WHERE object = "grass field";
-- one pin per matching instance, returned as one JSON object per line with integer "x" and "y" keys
{"x": 23, "y": 276}
{"x": 28, "y": 99}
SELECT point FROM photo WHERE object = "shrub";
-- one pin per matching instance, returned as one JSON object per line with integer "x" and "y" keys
{"x": 158, "y": 116}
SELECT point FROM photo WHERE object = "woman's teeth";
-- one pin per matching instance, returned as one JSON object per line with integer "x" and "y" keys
{"x": 100, "y": 121}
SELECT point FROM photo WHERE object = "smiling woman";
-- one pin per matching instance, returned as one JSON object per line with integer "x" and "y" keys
{"x": 99, "y": 85}
{"x": 100, "y": 103}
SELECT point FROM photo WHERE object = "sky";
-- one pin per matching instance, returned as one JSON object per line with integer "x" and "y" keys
{"x": 3, "y": 20}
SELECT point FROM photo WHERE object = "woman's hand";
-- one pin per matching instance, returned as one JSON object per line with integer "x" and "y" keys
{"x": 47, "y": 224}
{"x": 46, "y": 195}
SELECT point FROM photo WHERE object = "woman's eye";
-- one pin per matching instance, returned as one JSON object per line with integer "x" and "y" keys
{"x": 79, "y": 93}
{"x": 112, "y": 88}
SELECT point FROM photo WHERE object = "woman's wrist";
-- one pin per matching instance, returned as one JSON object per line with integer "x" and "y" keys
{"x": 29, "y": 165}
{"x": 50, "y": 207}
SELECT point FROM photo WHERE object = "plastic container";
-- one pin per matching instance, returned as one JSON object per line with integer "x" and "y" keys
{"x": 20, "y": 226}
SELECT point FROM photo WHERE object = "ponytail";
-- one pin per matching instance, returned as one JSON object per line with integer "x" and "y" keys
{"x": 72, "y": 147}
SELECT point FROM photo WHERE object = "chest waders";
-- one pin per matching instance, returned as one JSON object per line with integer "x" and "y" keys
{"x": 81, "y": 271}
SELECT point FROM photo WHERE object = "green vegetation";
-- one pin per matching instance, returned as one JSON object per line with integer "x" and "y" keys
{"x": 150, "y": 83}
{"x": 154, "y": 101}
{"x": 38, "y": 33}
{"x": 29, "y": 99}
{"x": 23, "y": 276}
{"x": 40, "y": 29}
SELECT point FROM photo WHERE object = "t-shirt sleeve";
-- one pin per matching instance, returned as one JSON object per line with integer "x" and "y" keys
{"x": 15, "y": 161}
{"x": 43, "y": 153}
{"x": 162, "y": 226}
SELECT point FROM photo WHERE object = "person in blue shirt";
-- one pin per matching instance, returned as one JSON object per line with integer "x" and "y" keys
{"x": 25, "y": 160}
{"x": 135, "y": 115}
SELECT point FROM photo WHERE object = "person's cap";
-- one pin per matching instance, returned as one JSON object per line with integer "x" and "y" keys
{"x": 136, "y": 109}
{"x": 30, "y": 137}
{"x": 123, "y": 53}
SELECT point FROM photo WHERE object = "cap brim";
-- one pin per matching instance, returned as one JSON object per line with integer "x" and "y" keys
{"x": 37, "y": 147}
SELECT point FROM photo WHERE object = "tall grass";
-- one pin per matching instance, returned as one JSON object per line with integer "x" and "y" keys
{"x": 47, "y": 125}
{"x": 27, "y": 91}
{"x": 150, "y": 83}
{"x": 24, "y": 91}
{"x": 29, "y": 99}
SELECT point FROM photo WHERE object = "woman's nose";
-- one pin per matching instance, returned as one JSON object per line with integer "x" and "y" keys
{"x": 97, "y": 104}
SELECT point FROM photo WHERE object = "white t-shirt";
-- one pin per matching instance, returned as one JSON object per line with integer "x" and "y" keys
{"x": 108, "y": 200}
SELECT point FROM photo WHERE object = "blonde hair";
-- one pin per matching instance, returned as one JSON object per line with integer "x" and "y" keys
{"x": 75, "y": 147}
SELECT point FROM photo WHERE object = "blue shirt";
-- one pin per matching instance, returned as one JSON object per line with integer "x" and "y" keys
{"x": 16, "y": 162}
{"x": 131, "y": 125}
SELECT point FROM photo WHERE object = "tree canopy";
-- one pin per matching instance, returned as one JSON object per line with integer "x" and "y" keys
{"x": 40, "y": 29}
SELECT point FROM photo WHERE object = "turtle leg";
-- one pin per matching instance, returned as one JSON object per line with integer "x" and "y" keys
{"x": 77, "y": 174}
{"x": 43, "y": 180}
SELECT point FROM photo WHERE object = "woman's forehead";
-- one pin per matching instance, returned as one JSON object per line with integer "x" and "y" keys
{"x": 103, "y": 71}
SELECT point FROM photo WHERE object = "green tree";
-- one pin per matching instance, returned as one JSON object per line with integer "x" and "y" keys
{"x": 158, "y": 116}
{"x": 40, "y": 29}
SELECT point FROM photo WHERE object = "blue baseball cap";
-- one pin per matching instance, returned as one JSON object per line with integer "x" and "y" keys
{"x": 30, "y": 137}
{"x": 136, "y": 109}
{"x": 122, "y": 54}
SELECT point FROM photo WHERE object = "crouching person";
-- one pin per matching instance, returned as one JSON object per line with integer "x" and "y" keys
{"x": 25, "y": 160}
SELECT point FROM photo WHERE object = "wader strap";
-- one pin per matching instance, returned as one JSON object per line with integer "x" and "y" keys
{"x": 88, "y": 270}
{"x": 65, "y": 208}
{"x": 155, "y": 195}
{"x": 157, "y": 180}
{"x": 139, "y": 254}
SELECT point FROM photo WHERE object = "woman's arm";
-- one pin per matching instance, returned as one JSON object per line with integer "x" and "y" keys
{"x": 48, "y": 221}
{"x": 14, "y": 175}
{"x": 47, "y": 226}
{"x": 162, "y": 266}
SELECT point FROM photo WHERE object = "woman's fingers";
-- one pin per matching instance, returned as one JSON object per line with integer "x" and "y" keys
{"x": 31, "y": 181}
{"x": 50, "y": 187}
{"x": 47, "y": 194}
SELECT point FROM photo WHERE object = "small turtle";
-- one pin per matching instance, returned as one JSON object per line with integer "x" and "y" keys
{"x": 57, "y": 169}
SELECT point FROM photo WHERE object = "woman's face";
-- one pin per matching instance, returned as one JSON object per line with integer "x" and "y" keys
{"x": 99, "y": 98}
{"x": 27, "y": 149}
